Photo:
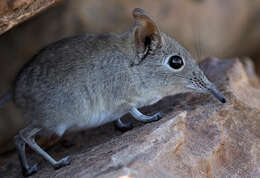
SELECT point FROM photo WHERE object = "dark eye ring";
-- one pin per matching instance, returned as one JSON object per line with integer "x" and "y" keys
{"x": 175, "y": 62}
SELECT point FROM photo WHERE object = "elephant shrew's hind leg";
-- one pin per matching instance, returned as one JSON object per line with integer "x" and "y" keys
{"x": 27, "y": 136}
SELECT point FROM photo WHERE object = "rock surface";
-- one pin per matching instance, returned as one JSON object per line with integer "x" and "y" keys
{"x": 197, "y": 137}
{"x": 13, "y": 12}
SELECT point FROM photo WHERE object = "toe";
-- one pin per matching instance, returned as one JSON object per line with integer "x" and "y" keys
{"x": 30, "y": 171}
{"x": 62, "y": 162}
{"x": 159, "y": 114}
{"x": 34, "y": 168}
{"x": 66, "y": 160}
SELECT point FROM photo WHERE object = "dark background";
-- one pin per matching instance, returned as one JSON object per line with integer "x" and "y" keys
{"x": 221, "y": 28}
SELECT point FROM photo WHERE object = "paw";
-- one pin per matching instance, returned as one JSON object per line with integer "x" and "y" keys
{"x": 62, "y": 162}
{"x": 30, "y": 171}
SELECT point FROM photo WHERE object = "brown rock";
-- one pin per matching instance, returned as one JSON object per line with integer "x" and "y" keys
{"x": 13, "y": 12}
{"x": 198, "y": 137}
{"x": 3, "y": 7}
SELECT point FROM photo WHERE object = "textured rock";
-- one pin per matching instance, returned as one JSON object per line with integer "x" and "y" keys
{"x": 197, "y": 137}
{"x": 13, "y": 12}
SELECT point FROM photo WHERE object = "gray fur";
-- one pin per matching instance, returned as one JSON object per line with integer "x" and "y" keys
{"x": 88, "y": 80}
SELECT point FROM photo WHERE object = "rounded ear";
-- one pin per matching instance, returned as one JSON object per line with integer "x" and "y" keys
{"x": 146, "y": 33}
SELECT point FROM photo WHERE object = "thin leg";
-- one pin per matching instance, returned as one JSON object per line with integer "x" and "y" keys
{"x": 56, "y": 164}
{"x": 20, "y": 146}
{"x": 122, "y": 126}
{"x": 143, "y": 118}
